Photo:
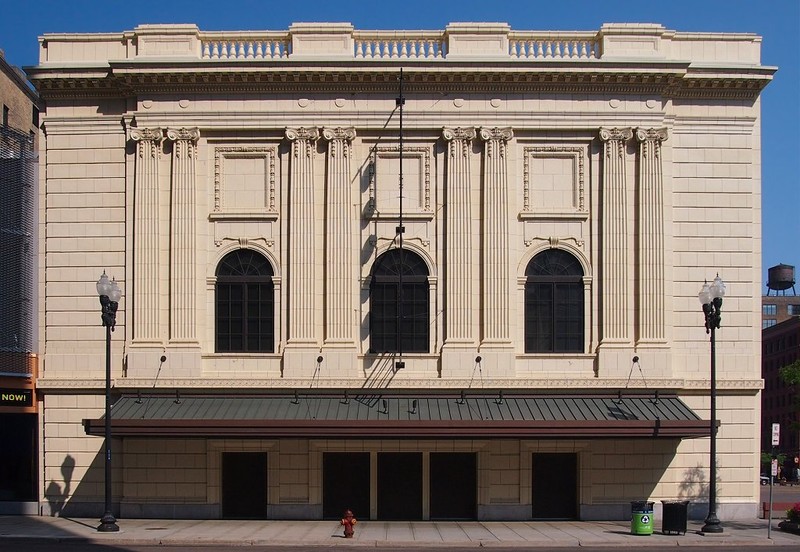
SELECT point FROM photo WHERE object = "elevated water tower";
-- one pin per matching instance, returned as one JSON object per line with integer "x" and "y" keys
{"x": 780, "y": 278}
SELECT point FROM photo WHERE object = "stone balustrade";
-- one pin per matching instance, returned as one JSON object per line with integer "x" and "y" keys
{"x": 393, "y": 45}
{"x": 383, "y": 45}
{"x": 245, "y": 45}
{"x": 566, "y": 46}
{"x": 457, "y": 42}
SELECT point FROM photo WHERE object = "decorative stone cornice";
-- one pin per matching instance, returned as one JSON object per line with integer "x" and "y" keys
{"x": 531, "y": 385}
{"x": 672, "y": 79}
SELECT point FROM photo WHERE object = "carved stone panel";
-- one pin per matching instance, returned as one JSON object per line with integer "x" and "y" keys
{"x": 554, "y": 182}
{"x": 244, "y": 182}
{"x": 384, "y": 181}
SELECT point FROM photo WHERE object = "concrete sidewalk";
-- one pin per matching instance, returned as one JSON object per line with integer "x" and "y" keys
{"x": 284, "y": 534}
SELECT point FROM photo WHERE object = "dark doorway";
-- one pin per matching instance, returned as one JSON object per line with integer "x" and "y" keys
{"x": 555, "y": 485}
{"x": 18, "y": 477}
{"x": 400, "y": 485}
{"x": 244, "y": 485}
{"x": 453, "y": 485}
{"x": 345, "y": 484}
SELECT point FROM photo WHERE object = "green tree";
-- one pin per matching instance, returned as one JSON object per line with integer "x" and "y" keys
{"x": 790, "y": 374}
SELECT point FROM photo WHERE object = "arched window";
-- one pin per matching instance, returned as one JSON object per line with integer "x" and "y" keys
{"x": 554, "y": 310}
{"x": 399, "y": 304}
{"x": 245, "y": 304}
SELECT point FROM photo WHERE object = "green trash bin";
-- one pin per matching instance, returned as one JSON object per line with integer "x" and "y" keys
{"x": 641, "y": 517}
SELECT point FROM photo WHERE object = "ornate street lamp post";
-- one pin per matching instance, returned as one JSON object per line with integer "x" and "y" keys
{"x": 110, "y": 294}
{"x": 711, "y": 299}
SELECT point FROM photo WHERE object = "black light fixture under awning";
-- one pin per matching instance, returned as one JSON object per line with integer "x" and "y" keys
{"x": 406, "y": 416}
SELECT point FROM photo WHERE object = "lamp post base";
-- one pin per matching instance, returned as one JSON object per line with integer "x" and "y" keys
{"x": 712, "y": 525}
{"x": 108, "y": 523}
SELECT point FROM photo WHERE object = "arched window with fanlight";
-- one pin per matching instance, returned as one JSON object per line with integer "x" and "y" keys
{"x": 554, "y": 303}
{"x": 399, "y": 304}
{"x": 245, "y": 304}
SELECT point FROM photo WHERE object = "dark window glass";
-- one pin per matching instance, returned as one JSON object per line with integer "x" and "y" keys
{"x": 769, "y": 309}
{"x": 554, "y": 306}
{"x": 399, "y": 304}
{"x": 245, "y": 300}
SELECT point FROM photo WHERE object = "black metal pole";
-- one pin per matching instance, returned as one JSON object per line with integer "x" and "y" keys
{"x": 712, "y": 523}
{"x": 108, "y": 522}
{"x": 399, "y": 364}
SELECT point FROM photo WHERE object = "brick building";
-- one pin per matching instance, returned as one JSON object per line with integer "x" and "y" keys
{"x": 19, "y": 135}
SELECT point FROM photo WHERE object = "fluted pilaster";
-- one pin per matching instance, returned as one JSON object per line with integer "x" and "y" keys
{"x": 302, "y": 233}
{"x": 496, "y": 326}
{"x": 651, "y": 298}
{"x": 339, "y": 230}
{"x": 146, "y": 230}
{"x": 458, "y": 235}
{"x": 183, "y": 236}
{"x": 615, "y": 240}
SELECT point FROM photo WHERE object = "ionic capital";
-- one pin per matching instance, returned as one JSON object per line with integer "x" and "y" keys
{"x": 501, "y": 134}
{"x": 608, "y": 134}
{"x": 337, "y": 133}
{"x": 146, "y": 134}
{"x": 651, "y": 134}
{"x": 458, "y": 133}
{"x": 188, "y": 134}
{"x": 302, "y": 133}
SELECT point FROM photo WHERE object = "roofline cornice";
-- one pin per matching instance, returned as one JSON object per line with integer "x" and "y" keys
{"x": 127, "y": 79}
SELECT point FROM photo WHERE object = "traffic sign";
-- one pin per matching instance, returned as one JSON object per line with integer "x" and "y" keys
{"x": 776, "y": 434}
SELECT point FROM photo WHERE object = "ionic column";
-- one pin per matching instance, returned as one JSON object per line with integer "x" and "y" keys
{"x": 302, "y": 234}
{"x": 146, "y": 231}
{"x": 614, "y": 252}
{"x": 339, "y": 230}
{"x": 183, "y": 236}
{"x": 496, "y": 327}
{"x": 651, "y": 296}
{"x": 458, "y": 235}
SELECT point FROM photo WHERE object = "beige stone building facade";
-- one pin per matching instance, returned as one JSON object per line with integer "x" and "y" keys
{"x": 424, "y": 275}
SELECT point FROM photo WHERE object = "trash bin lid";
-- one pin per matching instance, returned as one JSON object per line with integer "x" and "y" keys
{"x": 641, "y": 506}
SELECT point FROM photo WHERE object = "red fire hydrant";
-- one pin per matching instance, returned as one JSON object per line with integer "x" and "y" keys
{"x": 349, "y": 522}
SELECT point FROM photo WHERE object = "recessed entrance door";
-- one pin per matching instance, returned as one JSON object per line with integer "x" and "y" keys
{"x": 244, "y": 485}
{"x": 18, "y": 476}
{"x": 453, "y": 485}
{"x": 345, "y": 484}
{"x": 400, "y": 485}
{"x": 555, "y": 485}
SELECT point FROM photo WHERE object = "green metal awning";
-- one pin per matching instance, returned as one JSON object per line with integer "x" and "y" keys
{"x": 405, "y": 416}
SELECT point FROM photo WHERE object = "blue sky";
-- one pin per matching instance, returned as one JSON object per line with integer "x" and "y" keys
{"x": 777, "y": 21}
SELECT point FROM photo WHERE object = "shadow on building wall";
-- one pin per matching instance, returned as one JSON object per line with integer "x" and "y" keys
{"x": 83, "y": 497}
